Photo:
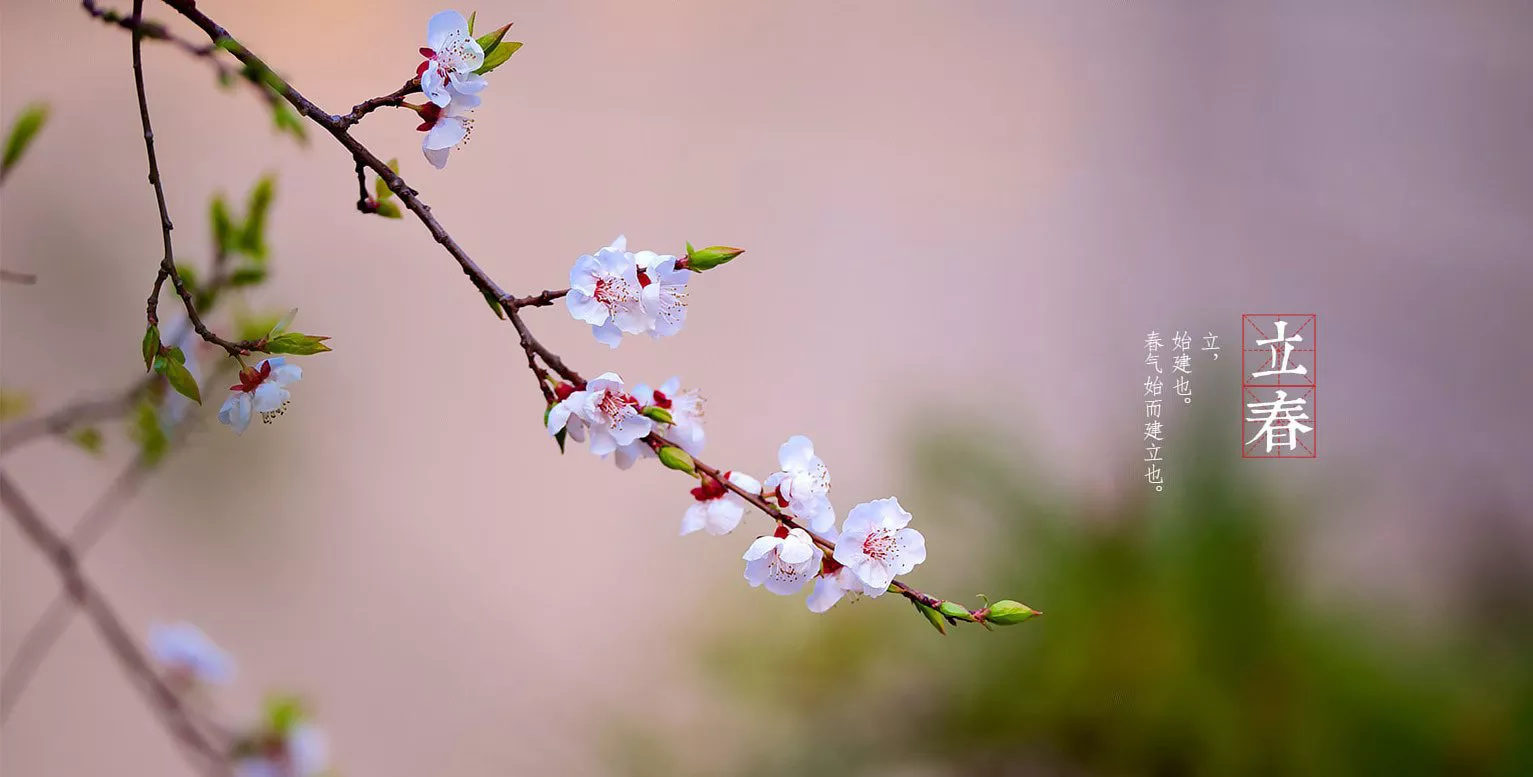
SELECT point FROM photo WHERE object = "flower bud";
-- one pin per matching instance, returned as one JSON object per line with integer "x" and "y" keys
{"x": 676, "y": 458}
{"x": 658, "y": 414}
{"x": 955, "y": 610}
{"x": 708, "y": 258}
{"x": 1007, "y": 613}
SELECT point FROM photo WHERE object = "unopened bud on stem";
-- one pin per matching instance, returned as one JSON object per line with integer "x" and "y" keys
{"x": 1006, "y": 613}
{"x": 676, "y": 458}
{"x": 701, "y": 259}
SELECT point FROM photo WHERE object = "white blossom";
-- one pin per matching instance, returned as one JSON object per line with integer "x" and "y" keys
{"x": 665, "y": 292}
{"x": 718, "y": 510}
{"x": 299, "y": 752}
{"x": 876, "y": 544}
{"x": 446, "y": 128}
{"x": 188, "y": 654}
{"x": 803, "y": 485}
{"x": 263, "y": 390}
{"x": 782, "y": 561}
{"x": 605, "y": 293}
{"x": 610, "y": 414}
{"x": 452, "y": 55}
{"x": 833, "y": 583}
{"x": 687, "y": 409}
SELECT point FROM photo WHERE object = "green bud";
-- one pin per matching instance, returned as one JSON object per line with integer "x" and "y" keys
{"x": 1007, "y": 613}
{"x": 676, "y": 458}
{"x": 955, "y": 610}
{"x": 658, "y": 414}
{"x": 701, "y": 259}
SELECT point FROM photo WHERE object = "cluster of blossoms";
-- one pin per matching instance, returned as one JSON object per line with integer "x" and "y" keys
{"x": 451, "y": 79}
{"x": 618, "y": 293}
{"x": 619, "y": 422}
{"x": 284, "y": 745}
{"x": 873, "y": 545}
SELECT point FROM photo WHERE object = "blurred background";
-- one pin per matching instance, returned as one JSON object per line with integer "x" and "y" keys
{"x": 961, "y": 219}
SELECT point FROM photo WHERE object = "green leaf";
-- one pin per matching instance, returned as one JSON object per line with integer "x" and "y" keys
{"x": 283, "y": 323}
{"x": 471, "y": 16}
{"x": 176, "y": 355}
{"x": 257, "y": 207}
{"x": 247, "y": 276}
{"x": 23, "y": 130}
{"x": 933, "y": 616}
{"x": 223, "y": 225}
{"x": 179, "y": 377}
{"x": 494, "y": 305}
{"x": 189, "y": 280}
{"x": 147, "y": 432}
{"x": 389, "y": 210}
{"x": 297, "y": 343}
{"x": 13, "y": 404}
{"x": 88, "y": 438}
{"x": 151, "y": 346}
{"x": 498, "y": 57}
{"x": 255, "y": 326}
{"x": 287, "y": 120}
{"x": 284, "y": 712}
{"x": 490, "y": 41}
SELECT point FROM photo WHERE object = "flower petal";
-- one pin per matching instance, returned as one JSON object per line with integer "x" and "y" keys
{"x": 825, "y": 594}
{"x": 443, "y": 26}
{"x": 796, "y": 454}
{"x": 437, "y": 156}
{"x": 584, "y": 307}
{"x": 446, "y": 133}
{"x": 760, "y": 547}
{"x": 236, "y": 412}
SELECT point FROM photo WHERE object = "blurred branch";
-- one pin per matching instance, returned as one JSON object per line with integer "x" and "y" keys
{"x": 21, "y": 278}
{"x": 210, "y": 757}
{"x": 38, "y": 641}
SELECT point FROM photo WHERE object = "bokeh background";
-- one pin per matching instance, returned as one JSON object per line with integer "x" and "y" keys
{"x": 961, "y": 220}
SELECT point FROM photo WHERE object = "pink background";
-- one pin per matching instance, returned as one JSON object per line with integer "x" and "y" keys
{"x": 954, "y": 211}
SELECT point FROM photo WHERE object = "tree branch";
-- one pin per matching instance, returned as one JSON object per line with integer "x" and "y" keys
{"x": 208, "y": 756}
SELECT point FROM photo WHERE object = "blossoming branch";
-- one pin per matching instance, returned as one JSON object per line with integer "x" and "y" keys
{"x": 615, "y": 291}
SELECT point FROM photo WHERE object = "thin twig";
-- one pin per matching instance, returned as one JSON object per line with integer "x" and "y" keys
{"x": 206, "y": 755}
{"x": 37, "y": 643}
{"x": 395, "y": 99}
{"x": 168, "y": 262}
{"x": 539, "y": 300}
